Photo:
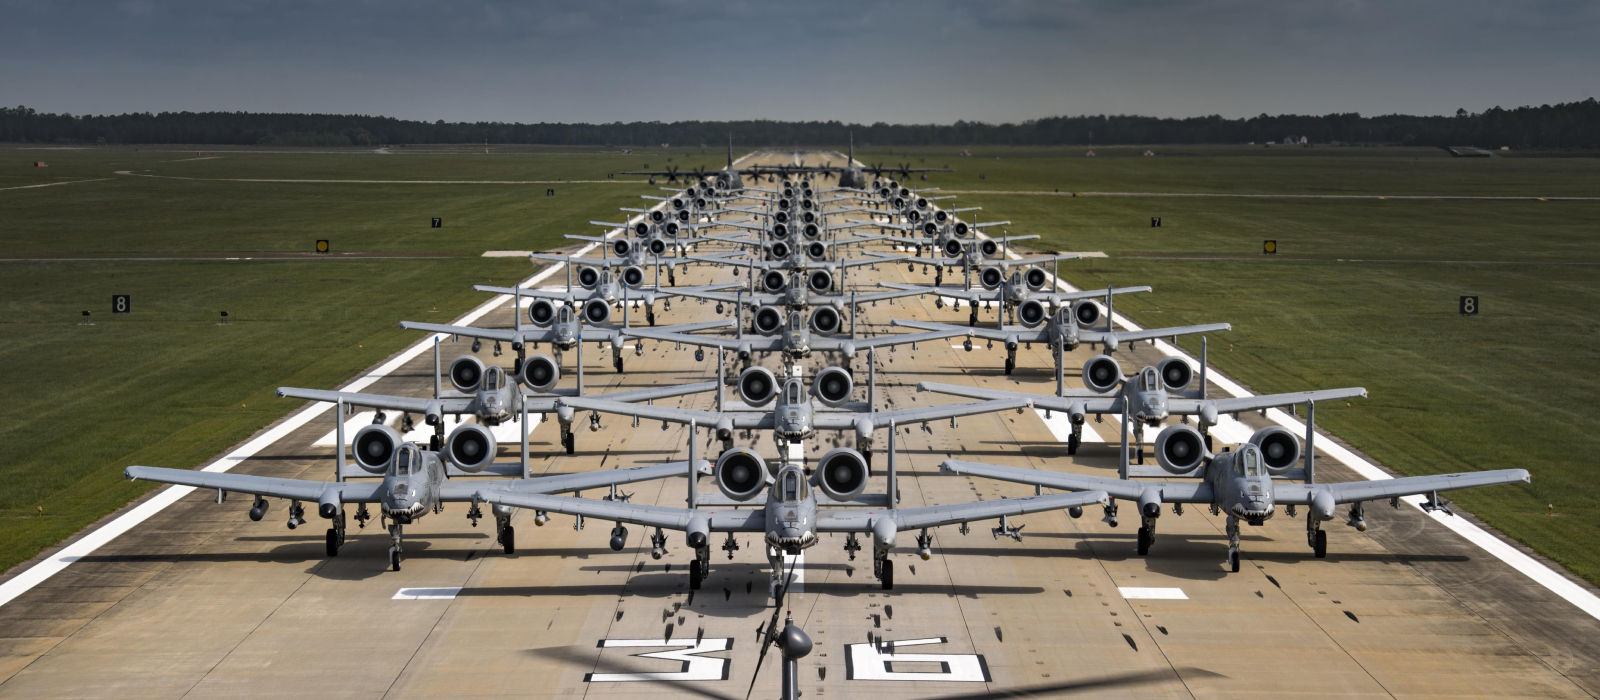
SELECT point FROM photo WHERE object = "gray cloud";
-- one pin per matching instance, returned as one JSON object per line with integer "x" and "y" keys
{"x": 897, "y": 61}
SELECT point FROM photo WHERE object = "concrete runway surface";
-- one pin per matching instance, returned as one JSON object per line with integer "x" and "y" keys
{"x": 198, "y": 601}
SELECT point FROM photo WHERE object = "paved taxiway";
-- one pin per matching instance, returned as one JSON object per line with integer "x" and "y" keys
{"x": 198, "y": 601}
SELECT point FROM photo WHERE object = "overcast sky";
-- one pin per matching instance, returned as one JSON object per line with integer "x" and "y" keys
{"x": 851, "y": 60}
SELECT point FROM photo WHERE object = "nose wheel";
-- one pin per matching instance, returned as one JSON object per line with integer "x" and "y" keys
{"x": 1233, "y": 544}
{"x": 394, "y": 546}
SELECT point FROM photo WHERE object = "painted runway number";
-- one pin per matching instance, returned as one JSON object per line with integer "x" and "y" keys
{"x": 693, "y": 668}
{"x": 884, "y": 662}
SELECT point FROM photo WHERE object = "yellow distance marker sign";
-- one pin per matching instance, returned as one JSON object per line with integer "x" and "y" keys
{"x": 1269, "y": 247}
{"x": 322, "y": 246}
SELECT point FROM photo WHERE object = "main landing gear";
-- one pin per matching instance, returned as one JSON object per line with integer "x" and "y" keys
{"x": 505, "y": 535}
{"x": 1233, "y": 544}
{"x": 335, "y": 538}
{"x": 394, "y": 545}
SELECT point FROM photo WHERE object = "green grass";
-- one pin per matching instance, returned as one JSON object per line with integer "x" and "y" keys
{"x": 168, "y": 386}
{"x": 1364, "y": 293}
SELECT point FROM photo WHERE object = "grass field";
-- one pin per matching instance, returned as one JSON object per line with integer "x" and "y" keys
{"x": 1364, "y": 293}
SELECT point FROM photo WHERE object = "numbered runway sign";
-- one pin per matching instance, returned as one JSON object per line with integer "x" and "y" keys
{"x": 691, "y": 666}
{"x": 1155, "y": 222}
{"x": 438, "y": 222}
{"x": 120, "y": 304}
{"x": 1469, "y": 306}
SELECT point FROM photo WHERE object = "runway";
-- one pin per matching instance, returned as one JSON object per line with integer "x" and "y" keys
{"x": 199, "y": 601}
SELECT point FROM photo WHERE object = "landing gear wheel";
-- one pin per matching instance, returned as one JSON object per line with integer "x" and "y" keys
{"x": 570, "y": 441}
{"x": 1233, "y": 560}
{"x": 394, "y": 560}
{"x": 1321, "y": 546}
{"x": 509, "y": 539}
{"x": 1141, "y": 455}
{"x": 1072, "y": 445}
{"x": 1010, "y": 365}
{"x": 1208, "y": 442}
{"x": 695, "y": 577}
{"x": 618, "y": 365}
{"x": 333, "y": 542}
{"x": 1144, "y": 541}
{"x": 433, "y": 443}
{"x": 888, "y": 575}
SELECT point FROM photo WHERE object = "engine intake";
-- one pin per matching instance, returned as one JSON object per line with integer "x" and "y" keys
{"x": 780, "y": 231}
{"x": 633, "y": 276}
{"x": 779, "y": 250}
{"x": 1087, "y": 312}
{"x": 833, "y": 386}
{"x": 541, "y": 313}
{"x": 768, "y": 320}
{"x": 588, "y": 277}
{"x": 773, "y": 281}
{"x": 539, "y": 373}
{"x": 1180, "y": 449}
{"x": 1036, "y": 278}
{"x": 816, "y": 250}
{"x": 992, "y": 277}
{"x": 1280, "y": 448}
{"x": 658, "y": 247}
{"x": 811, "y": 230}
{"x": 962, "y": 229}
{"x": 953, "y": 248}
{"x": 621, "y": 247}
{"x": 741, "y": 473}
{"x": 820, "y": 280}
{"x": 757, "y": 386}
{"x": 596, "y": 312}
{"x": 842, "y": 474}
{"x": 374, "y": 445}
{"x": 825, "y": 320}
{"x": 466, "y": 373}
{"x": 1102, "y": 373}
{"x": 1032, "y": 313}
{"x": 1176, "y": 374}
{"x": 471, "y": 447}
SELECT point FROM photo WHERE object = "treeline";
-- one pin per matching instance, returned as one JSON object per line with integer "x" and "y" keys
{"x": 1567, "y": 125}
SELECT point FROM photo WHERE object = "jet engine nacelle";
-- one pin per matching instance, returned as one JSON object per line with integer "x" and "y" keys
{"x": 671, "y": 229}
{"x": 780, "y": 231}
{"x": 374, "y": 445}
{"x": 989, "y": 248}
{"x": 1176, "y": 374}
{"x": 588, "y": 277}
{"x": 658, "y": 247}
{"x": 1036, "y": 278}
{"x": 470, "y": 447}
{"x": 811, "y": 230}
{"x": 658, "y": 216}
{"x": 992, "y": 277}
{"x": 842, "y": 474}
{"x": 741, "y": 473}
{"x": 922, "y": 203}
{"x": 1180, "y": 449}
{"x": 962, "y": 229}
{"x": 1032, "y": 313}
{"x": 757, "y": 386}
{"x": 621, "y": 247}
{"x": 930, "y": 229}
{"x": 781, "y": 217}
{"x": 1086, "y": 312}
{"x": 1102, "y": 373}
{"x": 779, "y": 250}
{"x": 679, "y": 203}
{"x": 819, "y": 281}
{"x": 641, "y": 229}
{"x": 784, "y": 204}
{"x": 941, "y": 216}
{"x": 953, "y": 248}
{"x": 596, "y": 312}
{"x": 816, "y": 250}
{"x": 833, "y": 386}
{"x": 466, "y": 373}
{"x": 541, "y": 313}
{"x": 539, "y": 373}
{"x": 774, "y": 281}
{"x": 825, "y": 320}
{"x": 633, "y": 276}
{"x": 768, "y": 320}
{"x": 1280, "y": 448}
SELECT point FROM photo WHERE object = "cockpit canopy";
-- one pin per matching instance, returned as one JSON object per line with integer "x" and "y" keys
{"x": 793, "y": 391}
{"x": 1248, "y": 461}
{"x": 406, "y": 459}
{"x": 492, "y": 378}
{"x": 796, "y": 322}
{"x": 792, "y": 487}
{"x": 564, "y": 314}
{"x": 1149, "y": 380}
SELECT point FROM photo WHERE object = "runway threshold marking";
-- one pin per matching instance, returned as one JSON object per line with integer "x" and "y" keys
{"x": 448, "y": 593}
{"x": 54, "y": 564}
{"x": 1152, "y": 593}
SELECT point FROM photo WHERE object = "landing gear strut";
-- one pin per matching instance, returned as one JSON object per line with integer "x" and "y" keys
{"x": 336, "y": 535}
{"x": 394, "y": 545}
{"x": 1075, "y": 439}
{"x": 1316, "y": 537}
{"x": 700, "y": 566}
{"x": 505, "y": 535}
{"x": 1233, "y": 544}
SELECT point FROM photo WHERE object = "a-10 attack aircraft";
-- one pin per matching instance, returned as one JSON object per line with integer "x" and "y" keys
{"x": 1065, "y": 330}
{"x": 796, "y": 341}
{"x": 1010, "y": 293}
{"x": 797, "y": 414}
{"x": 487, "y": 393}
{"x": 415, "y": 482}
{"x": 791, "y": 518}
{"x": 1149, "y": 397}
{"x": 1239, "y": 483}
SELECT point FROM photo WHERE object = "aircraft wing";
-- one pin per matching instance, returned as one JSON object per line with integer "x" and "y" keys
{"x": 1352, "y": 491}
{"x": 1023, "y": 335}
{"x": 1059, "y": 298}
{"x": 390, "y": 403}
{"x": 530, "y": 293}
{"x": 886, "y": 340}
{"x": 921, "y": 414}
{"x": 758, "y": 343}
{"x": 1093, "y": 336}
{"x": 1256, "y": 403}
{"x": 1126, "y": 489}
{"x": 754, "y": 520}
{"x": 835, "y": 520}
{"x": 972, "y": 296}
{"x": 752, "y": 421}
{"x": 1097, "y": 403}
{"x": 466, "y": 489}
{"x": 657, "y": 392}
{"x": 535, "y": 335}
{"x": 910, "y": 291}
{"x": 881, "y": 258}
{"x": 749, "y": 299}
{"x": 296, "y": 489}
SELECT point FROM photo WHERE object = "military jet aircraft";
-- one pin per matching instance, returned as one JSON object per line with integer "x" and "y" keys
{"x": 415, "y": 482}
{"x": 797, "y": 341}
{"x": 797, "y": 414}
{"x": 487, "y": 393}
{"x": 1149, "y": 397}
{"x": 801, "y": 290}
{"x": 557, "y": 325}
{"x": 1012, "y": 293}
{"x": 729, "y": 179}
{"x": 1066, "y": 329}
{"x": 791, "y": 517}
{"x": 1240, "y": 484}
